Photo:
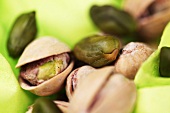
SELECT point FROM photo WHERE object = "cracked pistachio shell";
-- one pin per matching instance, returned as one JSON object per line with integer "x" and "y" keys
{"x": 104, "y": 92}
{"x": 151, "y": 26}
{"x": 97, "y": 50}
{"x": 39, "y": 49}
{"x": 76, "y": 77}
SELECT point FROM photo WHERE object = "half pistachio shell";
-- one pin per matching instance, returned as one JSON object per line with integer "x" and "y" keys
{"x": 76, "y": 77}
{"x": 39, "y": 49}
{"x": 103, "y": 91}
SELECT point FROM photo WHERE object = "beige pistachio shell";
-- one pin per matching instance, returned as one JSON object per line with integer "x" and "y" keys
{"x": 41, "y": 48}
{"x": 152, "y": 26}
{"x": 136, "y": 7}
{"x": 104, "y": 92}
{"x": 50, "y": 86}
{"x": 63, "y": 106}
{"x": 76, "y": 77}
{"x": 133, "y": 55}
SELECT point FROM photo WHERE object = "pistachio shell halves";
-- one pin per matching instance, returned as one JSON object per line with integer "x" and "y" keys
{"x": 39, "y": 49}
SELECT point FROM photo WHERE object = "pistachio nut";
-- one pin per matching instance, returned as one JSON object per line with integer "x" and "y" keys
{"x": 164, "y": 62}
{"x": 112, "y": 20}
{"x": 97, "y": 50}
{"x": 45, "y": 64}
{"x": 62, "y": 105}
{"x": 23, "y": 31}
{"x": 104, "y": 91}
{"x": 131, "y": 58}
{"x": 152, "y": 16}
{"x": 75, "y": 78}
{"x": 44, "y": 105}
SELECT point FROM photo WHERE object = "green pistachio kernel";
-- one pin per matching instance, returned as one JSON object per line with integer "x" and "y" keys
{"x": 45, "y": 105}
{"x": 164, "y": 62}
{"x": 97, "y": 50}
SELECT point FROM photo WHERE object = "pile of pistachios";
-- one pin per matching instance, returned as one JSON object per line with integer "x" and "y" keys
{"x": 98, "y": 73}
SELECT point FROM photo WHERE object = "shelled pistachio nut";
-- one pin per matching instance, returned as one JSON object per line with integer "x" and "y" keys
{"x": 131, "y": 58}
{"x": 111, "y": 20}
{"x": 45, "y": 64}
{"x": 152, "y": 16}
{"x": 23, "y": 31}
{"x": 164, "y": 62}
{"x": 97, "y": 50}
{"x": 44, "y": 105}
{"x": 76, "y": 77}
{"x": 104, "y": 91}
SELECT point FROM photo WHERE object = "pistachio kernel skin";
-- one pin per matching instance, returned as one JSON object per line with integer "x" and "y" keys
{"x": 97, "y": 50}
{"x": 164, "y": 62}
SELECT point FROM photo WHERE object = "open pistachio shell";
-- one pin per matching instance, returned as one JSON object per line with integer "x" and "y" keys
{"x": 104, "y": 92}
{"x": 39, "y": 49}
{"x": 76, "y": 77}
{"x": 42, "y": 48}
{"x": 152, "y": 16}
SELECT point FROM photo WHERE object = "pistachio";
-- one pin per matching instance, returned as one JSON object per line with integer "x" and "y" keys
{"x": 97, "y": 50}
{"x": 63, "y": 106}
{"x": 164, "y": 62}
{"x": 152, "y": 16}
{"x": 75, "y": 78}
{"x": 131, "y": 58}
{"x": 44, "y": 105}
{"x": 112, "y": 20}
{"x": 22, "y": 33}
{"x": 104, "y": 91}
{"x": 45, "y": 64}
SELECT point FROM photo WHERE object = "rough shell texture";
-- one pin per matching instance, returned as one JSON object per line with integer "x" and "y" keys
{"x": 41, "y": 48}
{"x": 76, "y": 77}
{"x": 103, "y": 92}
{"x": 50, "y": 86}
{"x": 133, "y": 55}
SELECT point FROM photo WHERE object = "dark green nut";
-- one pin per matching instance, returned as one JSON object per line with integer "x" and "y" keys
{"x": 112, "y": 20}
{"x": 97, "y": 50}
{"x": 45, "y": 105}
{"x": 23, "y": 31}
{"x": 164, "y": 63}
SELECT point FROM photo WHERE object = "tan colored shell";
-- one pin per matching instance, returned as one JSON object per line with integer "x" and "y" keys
{"x": 78, "y": 75}
{"x": 63, "y": 106}
{"x": 104, "y": 92}
{"x": 149, "y": 27}
{"x": 41, "y": 48}
{"x": 50, "y": 86}
{"x": 133, "y": 55}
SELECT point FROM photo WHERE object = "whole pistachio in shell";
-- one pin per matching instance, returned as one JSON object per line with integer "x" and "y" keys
{"x": 131, "y": 58}
{"x": 97, "y": 50}
{"x": 152, "y": 16}
{"x": 45, "y": 64}
{"x": 104, "y": 91}
{"x": 76, "y": 77}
